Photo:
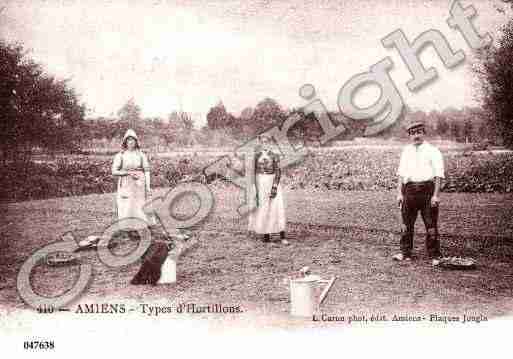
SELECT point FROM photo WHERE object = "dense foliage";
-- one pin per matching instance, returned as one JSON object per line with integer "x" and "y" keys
{"x": 36, "y": 109}
{"x": 496, "y": 76}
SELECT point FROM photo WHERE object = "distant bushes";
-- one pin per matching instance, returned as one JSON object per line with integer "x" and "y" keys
{"x": 365, "y": 169}
{"x": 55, "y": 179}
{"x": 354, "y": 169}
{"x": 81, "y": 175}
{"x": 480, "y": 173}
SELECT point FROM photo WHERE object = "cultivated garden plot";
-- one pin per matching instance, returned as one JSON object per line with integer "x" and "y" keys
{"x": 353, "y": 167}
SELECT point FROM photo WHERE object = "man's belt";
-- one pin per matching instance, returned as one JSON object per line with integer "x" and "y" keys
{"x": 419, "y": 184}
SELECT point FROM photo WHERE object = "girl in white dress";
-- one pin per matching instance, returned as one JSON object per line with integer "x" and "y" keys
{"x": 132, "y": 169}
{"x": 269, "y": 216}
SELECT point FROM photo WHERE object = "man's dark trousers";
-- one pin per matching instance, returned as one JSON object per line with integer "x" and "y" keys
{"x": 417, "y": 197}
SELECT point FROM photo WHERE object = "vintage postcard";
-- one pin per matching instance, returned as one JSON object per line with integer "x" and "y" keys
{"x": 195, "y": 177}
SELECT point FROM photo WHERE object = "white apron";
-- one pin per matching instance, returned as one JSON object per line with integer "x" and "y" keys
{"x": 269, "y": 216}
{"x": 131, "y": 193}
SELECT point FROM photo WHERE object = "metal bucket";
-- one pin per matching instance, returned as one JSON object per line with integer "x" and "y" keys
{"x": 168, "y": 271}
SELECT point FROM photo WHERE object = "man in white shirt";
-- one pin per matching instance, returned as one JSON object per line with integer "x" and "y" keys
{"x": 420, "y": 172}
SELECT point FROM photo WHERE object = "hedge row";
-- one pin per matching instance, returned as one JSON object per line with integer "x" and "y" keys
{"x": 355, "y": 169}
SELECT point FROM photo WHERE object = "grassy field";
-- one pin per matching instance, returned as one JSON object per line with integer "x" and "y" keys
{"x": 348, "y": 234}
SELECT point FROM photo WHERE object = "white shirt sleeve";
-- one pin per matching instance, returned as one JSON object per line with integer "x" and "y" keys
{"x": 401, "y": 171}
{"x": 438, "y": 163}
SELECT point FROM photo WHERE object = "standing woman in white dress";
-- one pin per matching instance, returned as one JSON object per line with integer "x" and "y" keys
{"x": 269, "y": 215}
{"x": 132, "y": 170}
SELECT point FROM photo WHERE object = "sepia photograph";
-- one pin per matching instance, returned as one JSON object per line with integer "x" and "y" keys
{"x": 296, "y": 178}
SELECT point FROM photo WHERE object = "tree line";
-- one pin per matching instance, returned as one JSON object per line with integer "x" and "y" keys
{"x": 469, "y": 124}
{"x": 223, "y": 128}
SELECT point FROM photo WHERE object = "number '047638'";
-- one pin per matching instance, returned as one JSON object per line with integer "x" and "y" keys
{"x": 38, "y": 345}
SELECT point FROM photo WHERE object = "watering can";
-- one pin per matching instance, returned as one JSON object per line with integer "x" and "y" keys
{"x": 303, "y": 298}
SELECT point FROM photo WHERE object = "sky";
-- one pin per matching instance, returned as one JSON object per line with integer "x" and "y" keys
{"x": 189, "y": 55}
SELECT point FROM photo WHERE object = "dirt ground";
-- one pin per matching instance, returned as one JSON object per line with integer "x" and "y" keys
{"x": 351, "y": 235}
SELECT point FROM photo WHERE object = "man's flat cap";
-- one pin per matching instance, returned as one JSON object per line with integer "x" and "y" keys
{"x": 415, "y": 125}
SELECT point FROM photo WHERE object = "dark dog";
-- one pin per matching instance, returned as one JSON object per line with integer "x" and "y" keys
{"x": 152, "y": 261}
